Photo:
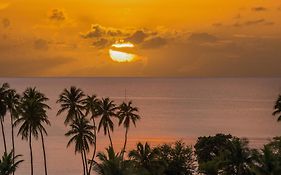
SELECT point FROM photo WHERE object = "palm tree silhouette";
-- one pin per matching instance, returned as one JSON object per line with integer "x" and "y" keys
{"x": 238, "y": 160}
{"x": 9, "y": 163}
{"x": 107, "y": 110}
{"x": 268, "y": 163}
{"x": 3, "y": 109}
{"x": 91, "y": 104}
{"x": 145, "y": 158}
{"x": 126, "y": 115}
{"x": 82, "y": 136}
{"x": 13, "y": 101}
{"x": 111, "y": 163}
{"x": 277, "y": 108}
{"x": 32, "y": 116}
{"x": 71, "y": 101}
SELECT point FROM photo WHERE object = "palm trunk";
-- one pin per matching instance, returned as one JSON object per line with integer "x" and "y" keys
{"x": 125, "y": 143}
{"x": 3, "y": 133}
{"x": 13, "y": 141}
{"x": 95, "y": 148}
{"x": 30, "y": 149}
{"x": 44, "y": 153}
{"x": 86, "y": 164}
{"x": 108, "y": 132}
{"x": 83, "y": 162}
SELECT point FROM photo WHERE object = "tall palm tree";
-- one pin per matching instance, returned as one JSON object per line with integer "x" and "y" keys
{"x": 9, "y": 163}
{"x": 82, "y": 136}
{"x": 71, "y": 101}
{"x": 91, "y": 104}
{"x": 3, "y": 109}
{"x": 13, "y": 101}
{"x": 33, "y": 115}
{"x": 277, "y": 108}
{"x": 107, "y": 110}
{"x": 127, "y": 114}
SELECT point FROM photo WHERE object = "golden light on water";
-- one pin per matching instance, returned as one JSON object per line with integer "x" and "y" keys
{"x": 118, "y": 52}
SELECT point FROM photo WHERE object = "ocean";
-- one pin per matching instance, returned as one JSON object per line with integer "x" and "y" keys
{"x": 171, "y": 109}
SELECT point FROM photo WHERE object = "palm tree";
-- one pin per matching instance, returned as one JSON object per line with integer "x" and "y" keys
{"x": 146, "y": 159}
{"x": 3, "y": 109}
{"x": 32, "y": 117}
{"x": 126, "y": 115}
{"x": 112, "y": 163}
{"x": 268, "y": 163}
{"x": 277, "y": 108}
{"x": 238, "y": 160}
{"x": 9, "y": 163}
{"x": 13, "y": 101}
{"x": 71, "y": 101}
{"x": 91, "y": 104}
{"x": 81, "y": 134}
{"x": 107, "y": 110}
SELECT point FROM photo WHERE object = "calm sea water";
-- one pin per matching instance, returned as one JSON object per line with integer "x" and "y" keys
{"x": 171, "y": 109}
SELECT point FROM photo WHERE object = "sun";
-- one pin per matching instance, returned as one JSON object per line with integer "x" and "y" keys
{"x": 120, "y": 52}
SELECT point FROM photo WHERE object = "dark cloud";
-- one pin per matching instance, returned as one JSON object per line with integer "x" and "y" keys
{"x": 41, "y": 44}
{"x": 103, "y": 37}
{"x": 202, "y": 37}
{"x": 238, "y": 16}
{"x": 57, "y": 15}
{"x": 6, "y": 22}
{"x": 154, "y": 42}
{"x": 253, "y": 23}
{"x": 137, "y": 37}
{"x": 98, "y": 31}
{"x": 259, "y": 9}
{"x": 102, "y": 43}
{"x": 217, "y": 24}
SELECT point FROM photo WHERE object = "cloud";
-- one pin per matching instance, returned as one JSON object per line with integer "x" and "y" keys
{"x": 202, "y": 37}
{"x": 253, "y": 23}
{"x": 57, "y": 15}
{"x": 154, "y": 42}
{"x": 103, "y": 37}
{"x": 102, "y": 43}
{"x": 41, "y": 44}
{"x": 217, "y": 24}
{"x": 259, "y": 9}
{"x": 237, "y": 57}
{"x": 98, "y": 31}
{"x": 6, "y": 23}
{"x": 137, "y": 37}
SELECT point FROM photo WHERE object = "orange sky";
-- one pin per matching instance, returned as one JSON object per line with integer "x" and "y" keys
{"x": 186, "y": 38}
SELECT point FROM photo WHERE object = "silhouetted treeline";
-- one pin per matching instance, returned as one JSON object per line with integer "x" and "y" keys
{"x": 213, "y": 155}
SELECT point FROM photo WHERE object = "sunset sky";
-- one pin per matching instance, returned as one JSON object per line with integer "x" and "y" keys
{"x": 180, "y": 38}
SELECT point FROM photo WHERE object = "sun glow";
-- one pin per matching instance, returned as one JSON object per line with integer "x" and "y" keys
{"x": 123, "y": 45}
{"x": 121, "y": 57}
{"x": 119, "y": 52}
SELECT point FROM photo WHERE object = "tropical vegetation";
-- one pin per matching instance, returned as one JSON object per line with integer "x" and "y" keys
{"x": 85, "y": 115}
